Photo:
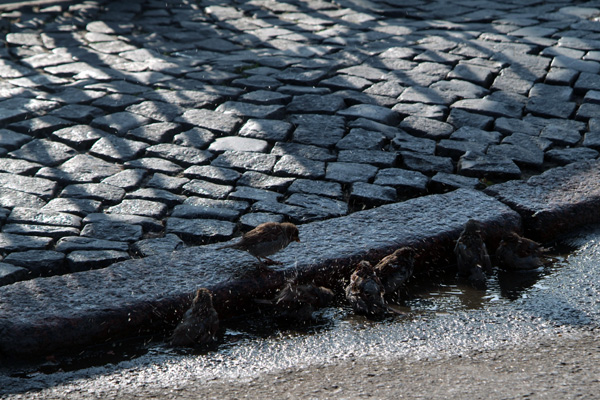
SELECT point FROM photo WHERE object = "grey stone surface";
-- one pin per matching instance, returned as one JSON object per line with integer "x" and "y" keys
{"x": 84, "y": 260}
{"x": 349, "y": 172}
{"x": 273, "y": 110}
{"x": 200, "y": 230}
{"x": 38, "y": 262}
{"x": 152, "y": 247}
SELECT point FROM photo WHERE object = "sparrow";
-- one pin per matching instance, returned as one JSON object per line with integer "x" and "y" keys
{"x": 267, "y": 239}
{"x": 519, "y": 253}
{"x": 298, "y": 302}
{"x": 472, "y": 258}
{"x": 200, "y": 322}
{"x": 395, "y": 269}
{"x": 365, "y": 292}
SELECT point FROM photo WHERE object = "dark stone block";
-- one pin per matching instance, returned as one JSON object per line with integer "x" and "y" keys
{"x": 303, "y": 151}
{"x": 375, "y": 157}
{"x": 425, "y": 163}
{"x": 10, "y": 273}
{"x": 559, "y": 200}
{"x": 94, "y": 191}
{"x": 322, "y": 205}
{"x": 51, "y": 231}
{"x": 318, "y": 130}
{"x": 155, "y": 164}
{"x": 144, "y": 208}
{"x": 250, "y": 110}
{"x": 85, "y": 260}
{"x": 212, "y": 120}
{"x": 254, "y": 194}
{"x": 252, "y": 220}
{"x": 561, "y": 136}
{"x": 127, "y": 179}
{"x": 262, "y": 181}
{"x": 79, "y": 207}
{"x": 166, "y": 182}
{"x": 195, "y": 137}
{"x": 292, "y": 165}
{"x": 181, "y": 155}
{"x": 117, "y": 149}
{"x": 322, "y": 188}
{"x": 113, "y": 230}
{"x": 72, "y": 243}
{"x": 245, "y": 161}
{"x": 312, "y": 103}
{"x": 444, "y": 182}
{"x": 571, "y": 155}
{"x": 45, "y": 152}
{"x": 207, "y": 189}
{"x": 191, "y": 212}
{"x": 82, "y": 168}
{"x": 120, "y": 122}
{"x": 163, "y": 196}
{"x": 200, "y": 230}
{"x": 426, "y": 127}
{"x": 531, "y": 156}
{"x": 12, "y": 242}
{"x": 359, "y": 138}
{"x": 456, "y": 148}
{"x": 42, "y": 188}
{"x": 159, "y": 132}
{"x": 488, "y": 166}
{"x": 20, "y": 215}
{"x": 38, "y": 262}
{"x": 151, "y": 247}
{"x": 459, "y": 118}
{"x": 408, "y": 182}
{"x": 272, "y": 130}
{"x": 371, "y": 195}
{"x": 350, "y": 172}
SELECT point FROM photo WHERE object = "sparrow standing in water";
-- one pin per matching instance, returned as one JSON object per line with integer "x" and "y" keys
{"x": 472, "y": 258}
{"x": 395, "y": 269}
{"x": 518, "y": 253}
{"x": 199, "y": 324}
{"x": 365, "y": 292}
{"x": 267, "y": 239}
{"x": 298, "y": 302}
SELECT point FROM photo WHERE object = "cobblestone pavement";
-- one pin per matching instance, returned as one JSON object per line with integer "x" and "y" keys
{"x": 131, "y": 128}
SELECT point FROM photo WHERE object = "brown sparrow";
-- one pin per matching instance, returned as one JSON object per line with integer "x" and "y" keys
{"x": 298, "y": 302}
{"x": 395, "y": 269}
{"x": 267, "y": 239}
{"x": 472, "y": 258}
{"x": 199, "y": 324}
{"x": 518, "y": 253}
{"x": 365, "y": 292}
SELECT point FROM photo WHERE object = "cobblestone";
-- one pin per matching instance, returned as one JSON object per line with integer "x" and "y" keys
{"x": 181, "y": 124}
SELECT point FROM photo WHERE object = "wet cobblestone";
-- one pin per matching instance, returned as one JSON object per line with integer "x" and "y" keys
{"x": 128, "y": 129}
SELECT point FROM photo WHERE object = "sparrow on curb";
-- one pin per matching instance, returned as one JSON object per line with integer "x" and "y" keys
{"x": 298, "y": 302}
{"x": 365, "y": 292}
{"x": 266, "y": 239}
{"x": 200, "y": 322}
{"x": 519, "y": 253}
{"x": 472, "y": 258}
{"x": 395, "y": 269}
